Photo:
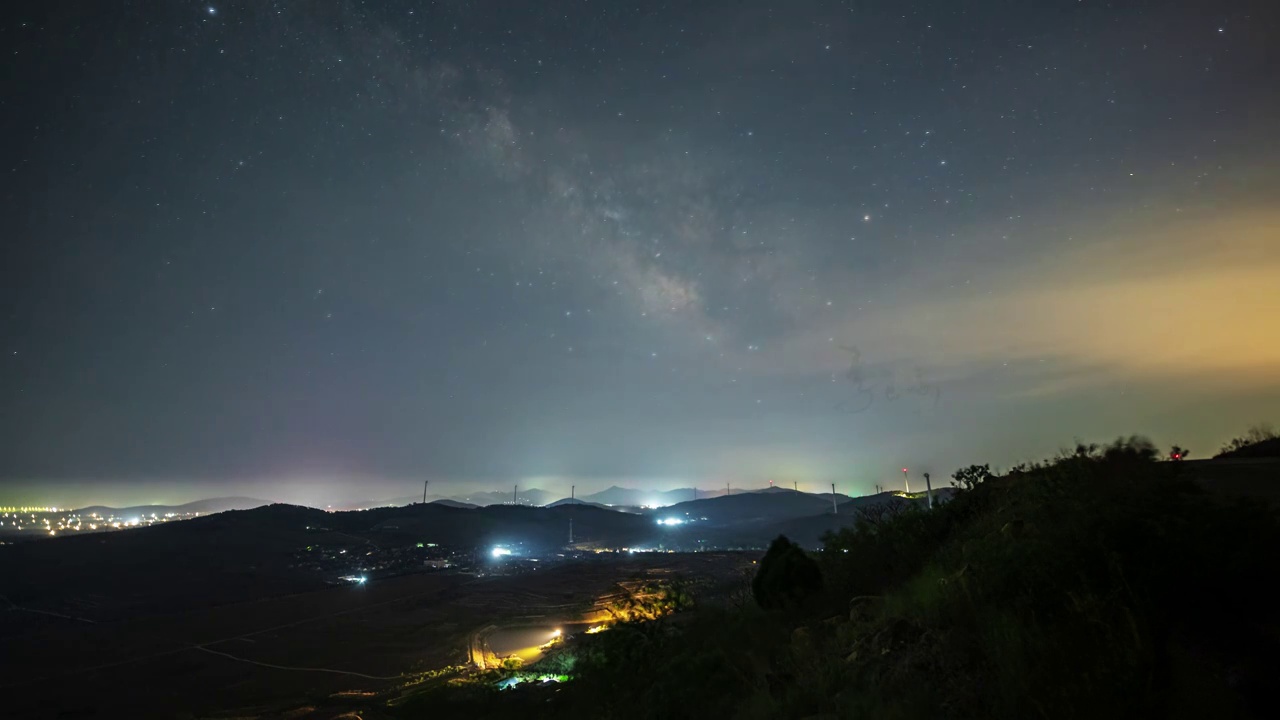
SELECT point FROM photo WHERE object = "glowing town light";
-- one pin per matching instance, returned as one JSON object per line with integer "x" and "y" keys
{"x": 500, "y": 552}
{"x": 671, "y": 521}
{"x": 555, "y": 633}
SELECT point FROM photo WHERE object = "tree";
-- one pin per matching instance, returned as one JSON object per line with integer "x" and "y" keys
{"x": 1134, "y": 448}
{"x": 1260, "y": 433}
{"x": 970, "y": 477}
{"x": 787, "y": 576}
{"x": 1178, "y": 452}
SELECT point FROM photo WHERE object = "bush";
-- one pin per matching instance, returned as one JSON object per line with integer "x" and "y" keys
{"x": 786, "y": 578}
{"x": 1259, "y": 437}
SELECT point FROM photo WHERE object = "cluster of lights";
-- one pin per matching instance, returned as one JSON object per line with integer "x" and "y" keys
{"x": 73, "y": 522}
{"x": 500, "y": 552}
{"x": 671, "y": 521}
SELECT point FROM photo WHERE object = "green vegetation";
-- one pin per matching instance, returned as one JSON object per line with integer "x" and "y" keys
{"x": 650, "y": 602}
{"x": 1100, "y": 583}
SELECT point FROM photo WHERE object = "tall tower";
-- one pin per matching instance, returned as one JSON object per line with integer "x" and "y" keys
{"x": 515, "y": 495}
{"x": 424, "y": 491}
{"x": 929, "y": 487}
{"x": 905, "y": 482}
{"x": 835, "y": 509}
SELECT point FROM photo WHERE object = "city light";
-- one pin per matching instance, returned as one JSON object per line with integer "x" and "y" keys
{"x": 671, "y": 521}
{"x": 500, "y": 552}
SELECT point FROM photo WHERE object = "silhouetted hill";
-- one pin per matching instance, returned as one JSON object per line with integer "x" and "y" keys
{"x": 750, "y": 507}
{"x": 543, "y": 528}
{"x": 208, "y": 506}
{"x": 239, "y": 554}
{"x": 1261, "y": 449}
{"x": 1009, "y": 600}
{"x": 454, "y": 503}
{"x": 750, "y": 521}
{"x": 807, "y": 532}
{"x": 577, "y": 501}
{"x": 168, "y": 567}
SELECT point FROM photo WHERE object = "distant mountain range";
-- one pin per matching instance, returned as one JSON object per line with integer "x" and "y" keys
{"x": 204, "y": 507}
{"x": 530, "y": 496}
{"x": 614, "y": 497}
{"x": 637, "y": 498}
{"x": 744, "y": 518}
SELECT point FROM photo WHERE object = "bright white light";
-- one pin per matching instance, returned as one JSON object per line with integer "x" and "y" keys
{"x": 500, "y": 552}
{"x": 362, "y": 580}
{"x": 555, "y": 633}
{"x": 211, "y": 10}
{"x": 671, "y": 521}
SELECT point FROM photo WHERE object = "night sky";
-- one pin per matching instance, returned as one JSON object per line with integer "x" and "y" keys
{"x": 321, "y": 251}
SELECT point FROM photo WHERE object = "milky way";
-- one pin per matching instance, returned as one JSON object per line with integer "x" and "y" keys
{"x": 322, "y": 251}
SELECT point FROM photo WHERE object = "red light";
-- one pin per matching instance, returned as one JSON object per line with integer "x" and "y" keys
{"x": 904, "y": 469}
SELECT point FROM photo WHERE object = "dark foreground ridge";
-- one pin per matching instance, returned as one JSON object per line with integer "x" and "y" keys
{"x": 1102, "y": 583}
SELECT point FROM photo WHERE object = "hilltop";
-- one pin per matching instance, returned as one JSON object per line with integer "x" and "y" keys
{"x": 575, "y": 501}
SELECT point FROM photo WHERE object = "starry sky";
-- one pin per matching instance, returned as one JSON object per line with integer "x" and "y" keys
{"x": 321, "y": 251}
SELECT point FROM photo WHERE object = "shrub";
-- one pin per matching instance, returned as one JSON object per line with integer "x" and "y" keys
{"x": 787, "y": 576}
